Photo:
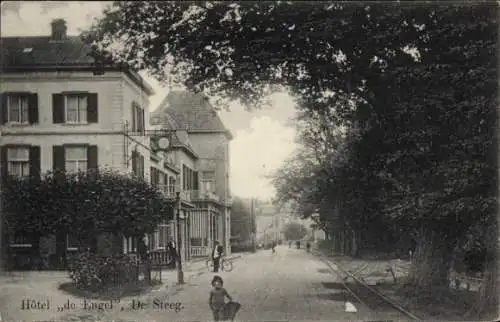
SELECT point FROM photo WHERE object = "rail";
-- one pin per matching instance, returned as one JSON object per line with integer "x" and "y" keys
{"x": 377, "y": 299}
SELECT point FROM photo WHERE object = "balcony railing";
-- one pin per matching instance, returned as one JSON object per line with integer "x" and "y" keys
{"x": 204, "y": 195}
{"x": 170, "y": 192}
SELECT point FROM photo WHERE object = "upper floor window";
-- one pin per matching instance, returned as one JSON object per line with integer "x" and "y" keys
{"x": 189, "y": 178}
{"x": 19, "y": 108}
{"x": 18, "y": 161}
{"x": 75, "y": 108}
{"x": 138, "y": 120}
{"x": 208, "y": 181}
{"x": 76, "y": 159}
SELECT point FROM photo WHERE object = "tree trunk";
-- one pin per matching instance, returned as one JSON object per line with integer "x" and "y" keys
{"x": 433, "y": 258}
{"x": 486, "y": 304}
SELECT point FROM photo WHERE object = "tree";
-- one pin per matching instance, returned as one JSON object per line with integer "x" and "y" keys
{"x": 241, "y": 220}
{"x": 84, "y": 204}
{"x": 294, "y": 231}
{"x": 423, "y": 151}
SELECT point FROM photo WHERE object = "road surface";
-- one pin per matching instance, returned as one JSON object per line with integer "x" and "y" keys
{"x": 290, "y": 285}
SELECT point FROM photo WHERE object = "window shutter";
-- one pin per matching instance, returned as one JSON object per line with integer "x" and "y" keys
{"x": 33, "y": 108}
{"x": 92, "y": 157}
{"x": 3, "y": 164}
{"x": 58, "y": 108}
{"x": 92, "y": 108}
{"x": 195, "y": 183}
{"x": 35, "y": 161}
{"x": 134, "y": 162}
{"x": 3, "y": 108}
{"x": 143, "y": 124}
{"x": 134, "y": 116}
{"x": 142, "y": 166}
{"x": 58, "y": 158}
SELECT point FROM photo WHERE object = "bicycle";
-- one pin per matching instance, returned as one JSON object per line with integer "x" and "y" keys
{"x": 225, "y": 265}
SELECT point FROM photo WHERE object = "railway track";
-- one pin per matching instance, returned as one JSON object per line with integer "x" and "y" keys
{"x": 358, "y": 292}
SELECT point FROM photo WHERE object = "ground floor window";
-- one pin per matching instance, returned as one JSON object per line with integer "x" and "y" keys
{"x": 20, "y": 239}
{"x": 129, "y": 245}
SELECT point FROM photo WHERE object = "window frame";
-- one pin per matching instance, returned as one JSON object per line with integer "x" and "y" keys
{"x": 68, "y": 246}
{"x": 18, "y": 161}
{"x": 66, "y": 159}
{"x": 26, "y": 99}
{"x": 79, "y": 96}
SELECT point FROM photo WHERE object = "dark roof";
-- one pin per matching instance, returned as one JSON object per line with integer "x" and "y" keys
{"x": 192, "y": 112}
{"x": 29, "y": 53}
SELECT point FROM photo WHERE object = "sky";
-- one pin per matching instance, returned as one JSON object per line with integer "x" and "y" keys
{"x": 261, "y": 142}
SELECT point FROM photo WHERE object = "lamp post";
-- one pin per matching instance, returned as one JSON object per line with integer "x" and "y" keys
{"x": 254, "y": 231}
{"x": 180, "y": 273}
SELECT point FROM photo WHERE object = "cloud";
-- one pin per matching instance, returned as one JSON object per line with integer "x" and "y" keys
{"x": 256, "y": 153}
{"x": 33, "y": 18}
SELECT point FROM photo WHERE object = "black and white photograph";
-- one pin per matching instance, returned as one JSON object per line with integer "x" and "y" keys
{"x": 249, "y": 161}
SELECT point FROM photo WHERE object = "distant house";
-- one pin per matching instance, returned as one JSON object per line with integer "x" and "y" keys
{"x": 63, "y": 108}
{"x": 203, "y": 151}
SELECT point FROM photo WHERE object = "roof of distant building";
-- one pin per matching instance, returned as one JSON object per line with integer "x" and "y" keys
{"x": 192, "y": 112}
{"x": 56, "y": 52}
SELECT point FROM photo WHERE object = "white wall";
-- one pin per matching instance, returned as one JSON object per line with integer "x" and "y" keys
{"x": 116, "y": 92}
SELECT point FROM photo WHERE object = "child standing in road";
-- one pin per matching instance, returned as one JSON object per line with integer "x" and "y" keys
{"x": 217, "y": 298}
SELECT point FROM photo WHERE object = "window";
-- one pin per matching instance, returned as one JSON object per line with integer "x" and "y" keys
{"x": 18, "y": 109}
{"x": 20, "y": 239}
{"x": 155, "y": 176}
{"x": 138, "y": 123}
{"x": 171, "y": 186}
{"x": 18, "y": 162}
{"x": 75, "y": 159}
{"x": 71, "y": 242}
{"x": 208, "y": 185}
{"x": 76, "y": 108}
{"x": 189, "y": 178}
{"x": 137, "y": 164}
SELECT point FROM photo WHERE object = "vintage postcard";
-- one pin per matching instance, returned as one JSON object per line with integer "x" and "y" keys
{"x": 249, "y": 161}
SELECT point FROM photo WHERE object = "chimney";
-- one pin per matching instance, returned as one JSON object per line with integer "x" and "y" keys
{"x": 58, "y": 29}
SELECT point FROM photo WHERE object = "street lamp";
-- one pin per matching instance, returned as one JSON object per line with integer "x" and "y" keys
{"x": 180, "y": 273}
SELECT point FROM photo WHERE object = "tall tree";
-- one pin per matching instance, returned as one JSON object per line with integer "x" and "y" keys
{"x": 241, "y": 220}
{"x": 423, "y": 78}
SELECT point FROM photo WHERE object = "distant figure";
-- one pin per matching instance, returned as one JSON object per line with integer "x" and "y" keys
{"x": 217, "y": 298}
{"x": 308, "y": 246}
{"x": 290, "y": 244}
{"x": 273, "y": 247}
{"x": 172, "y": 253}
{"x": 216, "y": 255}
{"x": 297, "y": 243}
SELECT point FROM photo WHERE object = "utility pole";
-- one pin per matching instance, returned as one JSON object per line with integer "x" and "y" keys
{"x": 180, "y": 273}
{"x": 254, "y": 231}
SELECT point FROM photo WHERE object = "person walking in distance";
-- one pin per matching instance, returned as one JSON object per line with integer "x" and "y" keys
{"x": 216, "y": 255}
{"x": 273, "y": 247}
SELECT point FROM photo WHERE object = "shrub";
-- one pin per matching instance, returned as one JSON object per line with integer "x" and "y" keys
{"x": 92, "y": 271}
